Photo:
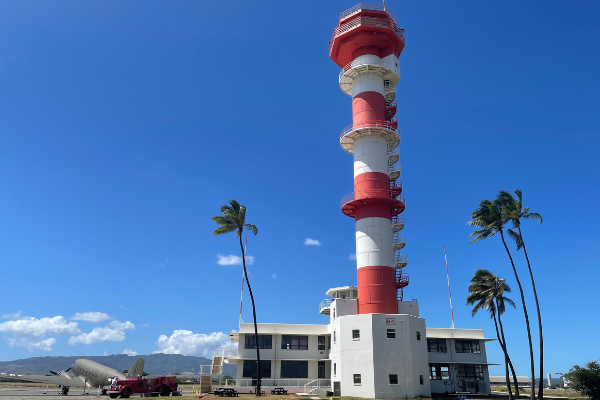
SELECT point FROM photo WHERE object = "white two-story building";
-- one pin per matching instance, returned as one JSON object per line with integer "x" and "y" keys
{"x": 363, "y": 355}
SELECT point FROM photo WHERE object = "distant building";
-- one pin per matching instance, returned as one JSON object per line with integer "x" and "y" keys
{"x": 522, "y": 381}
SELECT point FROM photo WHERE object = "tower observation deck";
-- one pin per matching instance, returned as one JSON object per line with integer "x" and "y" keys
{"x": 366, "y": 45}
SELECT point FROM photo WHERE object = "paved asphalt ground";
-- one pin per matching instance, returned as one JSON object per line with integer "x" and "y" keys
{"x": 14, "y": 393}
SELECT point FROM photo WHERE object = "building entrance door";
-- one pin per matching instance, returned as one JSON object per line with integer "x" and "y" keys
{"x": 321, "y": 371}
{"x": 336, "y": 389}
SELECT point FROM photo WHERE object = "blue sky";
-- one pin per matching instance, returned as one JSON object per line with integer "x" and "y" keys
{"x": 125, "y": 125}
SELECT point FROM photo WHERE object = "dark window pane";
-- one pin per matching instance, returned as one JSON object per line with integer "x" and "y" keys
{"x": 321, "y": 342}
{"x": 356, "y": 379}
{"x": 264, "y": 342}
{"x": 355, "y": 334}
{"x": 436, "y": 345}
{"x": 467, "y": 346}
{"x": 251, "y": 372}
{"x": 294, "y": 369}
{"x": 391, "y": 333}
{"x": 393, "y": 379}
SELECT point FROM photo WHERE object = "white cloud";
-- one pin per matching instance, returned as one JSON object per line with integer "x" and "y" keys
{"x": 16, "y": 315}
{"x": 45, "y": 345}
{"x": 121, "y": 326}
{"x": 312, "y": 242}
{"x": 91, "y": 317}
{"x": 191, "y": 344}
{"x": 130, "y": 352}
{"x": 352, "y": 256}
{"x": 233, "y": 260}
{"x": 112, "y": 333}
{"x": 28, "y": 332}
{"x": 274, "y": 276}
{"x": 98, "y": 335}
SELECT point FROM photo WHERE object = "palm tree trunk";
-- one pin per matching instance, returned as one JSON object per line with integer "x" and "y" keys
{"x": 512, "y": 369}
{"x": 539, "y": 315}
{"x": 510, "y": 396}
{"x": 258, "y": 365}
{"x": 526, "y": 316}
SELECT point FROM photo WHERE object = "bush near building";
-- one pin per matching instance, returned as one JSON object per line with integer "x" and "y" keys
{"x": 585, "y": 380}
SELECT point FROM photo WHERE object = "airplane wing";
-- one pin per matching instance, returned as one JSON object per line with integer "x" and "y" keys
{"x": 62, "y": 380}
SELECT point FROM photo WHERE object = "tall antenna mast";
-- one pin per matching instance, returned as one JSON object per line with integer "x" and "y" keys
{"x": 383, "y": 5}
{"x": 449, "y": 293}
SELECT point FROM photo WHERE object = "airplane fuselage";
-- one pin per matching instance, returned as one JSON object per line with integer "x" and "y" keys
{"x": 95, "y": 374}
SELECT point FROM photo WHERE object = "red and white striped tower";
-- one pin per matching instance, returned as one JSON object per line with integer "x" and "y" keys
{"x": 367, "y": 44}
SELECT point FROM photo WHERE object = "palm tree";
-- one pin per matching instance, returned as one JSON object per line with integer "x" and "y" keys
{"x": 234, "y": 220}
{"x": 491, "y": 219}
{"x": 487, "y": 292}
{"x": 513, "y": 209}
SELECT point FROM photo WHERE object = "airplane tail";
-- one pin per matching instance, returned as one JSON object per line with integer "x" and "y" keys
{"x": 137, "y": 369}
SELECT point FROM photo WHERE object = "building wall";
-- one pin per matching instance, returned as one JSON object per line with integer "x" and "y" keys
{"x": 375, "y": 357}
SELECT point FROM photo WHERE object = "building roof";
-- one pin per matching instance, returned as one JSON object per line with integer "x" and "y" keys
{"x": 520, "y": 379}
{"x": 449, "y": 333}
{"x": 284, "y": 329}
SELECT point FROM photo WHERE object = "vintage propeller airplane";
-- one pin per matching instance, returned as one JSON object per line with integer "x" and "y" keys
{"x": 83, "y": 373}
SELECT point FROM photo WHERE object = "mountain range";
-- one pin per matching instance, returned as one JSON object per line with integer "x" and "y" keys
{"x": 156, "y": 364}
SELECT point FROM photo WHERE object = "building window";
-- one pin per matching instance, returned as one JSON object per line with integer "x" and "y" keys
{"x": 438, "y": 372}
{"x": 357, "y": 379}
{"x": 264, "y": 342}
{"x": 321, "y": 370}
{"x": 355, "y": 334}
{"x": 470, "y": 371}
{"x": 333, "y": 336}
{"x": 418, "y": 335}
{"x": 421, "y": 379}
{"x": 436, "y": 345}
{"x": 334, "y": 369}
{"x": 329, "y": 342}
{"x": 321, "y": 342}
{"x": 391, "y": 334}
{"x": 393, "y": 379}
{"x": 294, "y": 369}
{"x": 294, "y": 342}
{"x": 467, "y": 346}
{"x": 251, "y": 372}
{"x": 334, "y": 313}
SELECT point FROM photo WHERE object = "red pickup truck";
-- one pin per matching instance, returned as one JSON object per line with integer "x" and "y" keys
{"x": 154, "y": 385}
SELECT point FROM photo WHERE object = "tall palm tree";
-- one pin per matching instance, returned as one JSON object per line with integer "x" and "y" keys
{"x": 487, "y": 292}
{"x": 514, "y": 211}
{"x": 234, "y": 220}
{"x": 489, "y": 217}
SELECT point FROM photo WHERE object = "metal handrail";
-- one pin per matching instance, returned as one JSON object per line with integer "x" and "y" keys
{"x": 399, "y": 257}
{"x": 367, "y": 59}
{"x": 371, "y": 194}
{"x": 325, "y": 303}
{"x": 398, "y": 238}
{"x": 276, "y": 382}
{"x": 367, "y": 6}
{"x": 366, "y": 21}
{"x": 398, "y": 219}
{"x": 368, "y": 124}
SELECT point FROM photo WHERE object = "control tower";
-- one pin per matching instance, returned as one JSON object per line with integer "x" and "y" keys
{"x": 367, "y": 44}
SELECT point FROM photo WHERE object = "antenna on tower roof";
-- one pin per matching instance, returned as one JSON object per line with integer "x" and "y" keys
{"x": 383, "y": 5}
{"x": 449, "y": 293}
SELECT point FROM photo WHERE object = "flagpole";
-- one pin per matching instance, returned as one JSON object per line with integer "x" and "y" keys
{"x": 449, "y": 293}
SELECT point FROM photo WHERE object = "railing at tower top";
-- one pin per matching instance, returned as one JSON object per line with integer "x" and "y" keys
{"x": 367, "y": 21}
{"x": 372, "y": 194}
{"x": 393, "y": 125}
{"x": 367, "y": 59}
{"x": 367, "y": 6}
